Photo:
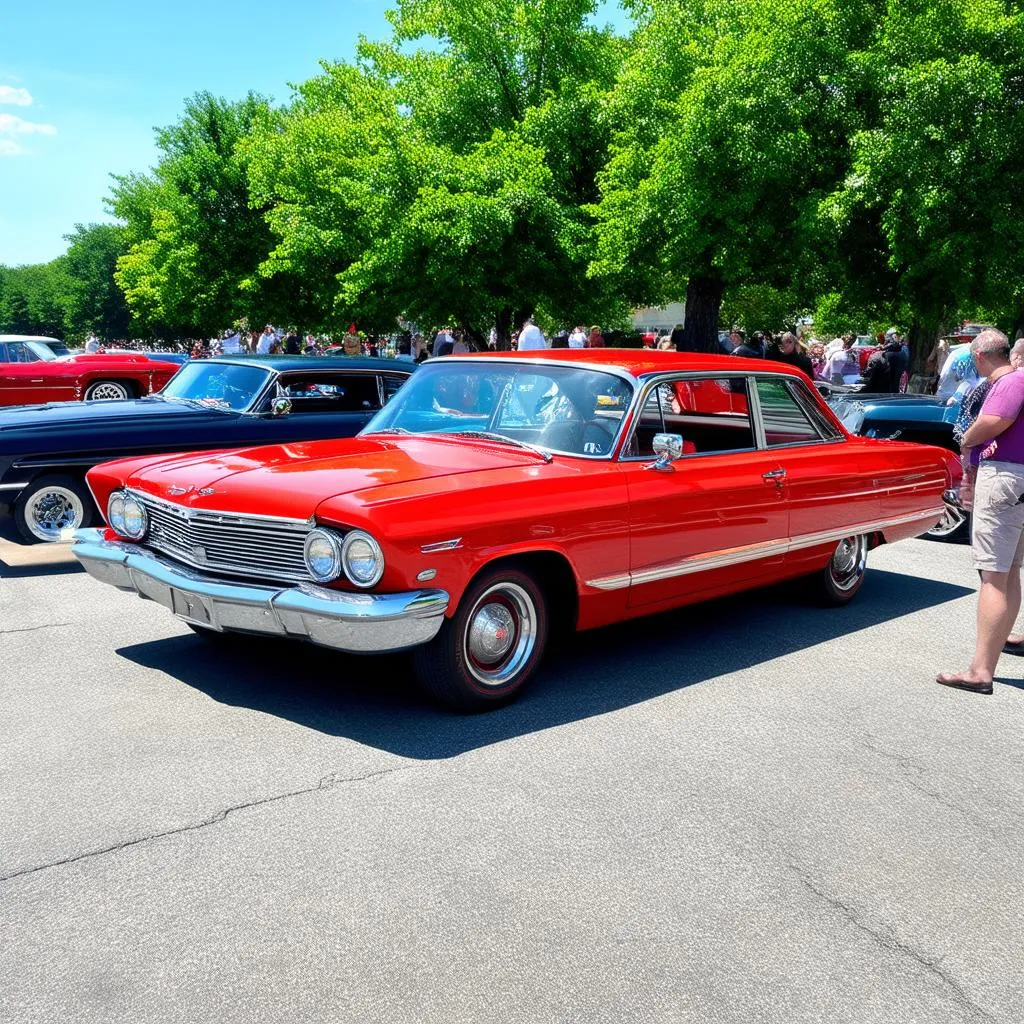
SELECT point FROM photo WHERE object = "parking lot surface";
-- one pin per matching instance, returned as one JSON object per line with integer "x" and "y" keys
{"x": 746, "y": 811}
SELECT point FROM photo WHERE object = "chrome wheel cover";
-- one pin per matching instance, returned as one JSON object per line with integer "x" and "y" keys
{"x": 52, "y": 509}
{"x": 849, "y": 562}
{"x": 500, "y": 634}
{"x": 952, "y": 519}
{"x": 108, "y": 391}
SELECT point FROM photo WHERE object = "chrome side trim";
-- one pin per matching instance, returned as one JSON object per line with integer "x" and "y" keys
{"x": 752, "y": 552}
{"x": 442, "y": 545}
{"x": 13, "y": 487}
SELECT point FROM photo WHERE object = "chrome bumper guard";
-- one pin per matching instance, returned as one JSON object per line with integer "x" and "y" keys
{"x": 358, "y": 623}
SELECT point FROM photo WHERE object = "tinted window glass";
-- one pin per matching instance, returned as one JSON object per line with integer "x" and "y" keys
{"x": 785, "y": 422}
{"x": 331, "y": 392}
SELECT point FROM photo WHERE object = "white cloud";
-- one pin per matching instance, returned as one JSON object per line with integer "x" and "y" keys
{"x": 11, "y": 125}
{"x": 16, "y": 97}
{"x": 8, "y": 147}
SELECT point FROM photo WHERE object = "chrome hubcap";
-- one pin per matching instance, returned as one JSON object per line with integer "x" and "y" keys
{"x": 951, "y": 521}
{"x": 51, "y": 510}
{"x": 849, "y": 561}
{"x": 108, "y": 391}
{"x": 501, "y": 633}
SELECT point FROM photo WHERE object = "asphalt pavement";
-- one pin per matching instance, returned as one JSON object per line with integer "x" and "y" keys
{"x": 746, "y": 811}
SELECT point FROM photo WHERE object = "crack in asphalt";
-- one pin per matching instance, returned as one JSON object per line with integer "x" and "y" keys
{"x": 34, "y": 629}
{"x": 326, "y": 783}
{"x": 915, "y": 770}
{"x": 887, "y": 939}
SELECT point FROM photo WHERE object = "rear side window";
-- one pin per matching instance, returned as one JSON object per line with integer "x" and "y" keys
{"x": 392, "y": 382}
{"x": 787, "y": 420}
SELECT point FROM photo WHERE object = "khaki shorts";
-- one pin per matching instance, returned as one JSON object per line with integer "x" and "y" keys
{"x": 997, "y": 531}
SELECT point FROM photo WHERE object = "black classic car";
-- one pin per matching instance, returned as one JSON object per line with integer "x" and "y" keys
{"x": 209, "y": 404}
{"x": 907, "y": 417}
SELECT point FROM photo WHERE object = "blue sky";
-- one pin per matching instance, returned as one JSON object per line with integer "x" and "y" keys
{"x": 83, "y": 85}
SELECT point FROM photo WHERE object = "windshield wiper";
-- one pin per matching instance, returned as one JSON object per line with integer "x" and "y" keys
{"x": 392, "y": 430}
{"x": 488, "y": 435}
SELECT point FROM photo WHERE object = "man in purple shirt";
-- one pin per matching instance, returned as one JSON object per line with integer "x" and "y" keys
{"x": 997, "y": 533}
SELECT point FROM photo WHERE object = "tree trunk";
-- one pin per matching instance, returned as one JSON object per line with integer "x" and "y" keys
{"x": 703, "y": 303}
{"x": 503, "y": 329}
{"x": 921, "y": 338}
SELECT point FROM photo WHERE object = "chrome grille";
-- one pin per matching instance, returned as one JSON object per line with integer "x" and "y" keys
{"x": 220, "y": 541}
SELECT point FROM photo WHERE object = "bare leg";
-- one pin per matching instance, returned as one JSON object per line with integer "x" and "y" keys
{"x": 998, "y": 604}
{"x": 1013, "y": 593}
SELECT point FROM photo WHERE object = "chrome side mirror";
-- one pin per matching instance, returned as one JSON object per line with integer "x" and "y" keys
{"x": 280, "y": 407}
{"x": 668, "y": 448}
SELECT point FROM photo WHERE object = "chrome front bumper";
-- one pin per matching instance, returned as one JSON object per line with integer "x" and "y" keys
{"x": 358, "y": 623}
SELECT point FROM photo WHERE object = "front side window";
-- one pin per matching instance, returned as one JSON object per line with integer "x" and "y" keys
{"x": 711, "y": 414}
{"x": 786, "y": 421}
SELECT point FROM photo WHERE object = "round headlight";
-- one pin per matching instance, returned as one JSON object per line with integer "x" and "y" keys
{"x": 136, "y": 522}
{"x": 322, "y": 552}
{"x": 362, "y": 559}
{"x": 115, "y": 513}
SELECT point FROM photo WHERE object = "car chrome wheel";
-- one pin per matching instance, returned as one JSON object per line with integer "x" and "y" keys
{"x": 849, "y": 563}
{"x": 52, "y": 509}
{"x": 500, "y": 634}
{"x": 107, "y": 390}
{"x": 953, "y": 519}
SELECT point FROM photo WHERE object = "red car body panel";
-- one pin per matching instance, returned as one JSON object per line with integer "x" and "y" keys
{"x": 635, "y": 541}
{"x": 68, "y": 379}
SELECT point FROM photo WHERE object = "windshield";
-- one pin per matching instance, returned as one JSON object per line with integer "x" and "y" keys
{"x": 574, "y": 410}
{"x": 220, "y": 385}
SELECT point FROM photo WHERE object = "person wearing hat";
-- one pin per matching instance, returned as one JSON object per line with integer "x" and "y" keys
{"x": 899, "y": 359}
{"x": 595, "y": 338}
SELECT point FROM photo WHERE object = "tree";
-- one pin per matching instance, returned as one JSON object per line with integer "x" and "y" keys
{"x": 731, "y": 120}
{"x": 194, "y": 238}
{"x": 932, "y": 199}
{"x": 95, "y": 304}
{"x": 33, "y": 298}
{"x": 453, "y": 181}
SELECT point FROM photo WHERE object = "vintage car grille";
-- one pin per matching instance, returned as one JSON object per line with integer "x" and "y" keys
{"x": 221, "y": 542}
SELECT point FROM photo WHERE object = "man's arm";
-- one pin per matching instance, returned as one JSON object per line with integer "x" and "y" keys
{"x": 986, "y": 428}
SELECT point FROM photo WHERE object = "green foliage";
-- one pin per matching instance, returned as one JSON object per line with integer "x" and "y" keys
{"x": 452, "y": 181}
{"x": 33, "y": 299}
{"x": 194, "y": 239}
{"x": 759, "y": 307}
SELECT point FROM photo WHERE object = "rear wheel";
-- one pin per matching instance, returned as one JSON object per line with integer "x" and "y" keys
{"x": 51, "y": 504}
{"x": 107, "y": 390}
{"x": 840, "y": 580}
{"x": 487, "y": 652}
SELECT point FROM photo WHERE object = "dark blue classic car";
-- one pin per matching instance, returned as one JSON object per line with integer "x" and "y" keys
{"x": 228, "y": 402}
{"x": 921, "y": 418}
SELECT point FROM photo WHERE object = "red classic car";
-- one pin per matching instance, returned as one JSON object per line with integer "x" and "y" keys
{"x": 30, "y": 374}
{"x": 499, "y": 498}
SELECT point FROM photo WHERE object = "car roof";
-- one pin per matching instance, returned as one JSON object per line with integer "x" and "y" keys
{"x": 30, "y": 337}
{"x": 288, "y": 363}
{"x": 638, "y": 362}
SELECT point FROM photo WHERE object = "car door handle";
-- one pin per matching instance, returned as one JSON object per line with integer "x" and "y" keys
{"x": 774, "y": 474}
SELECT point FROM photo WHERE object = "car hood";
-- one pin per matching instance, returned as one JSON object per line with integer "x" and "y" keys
{"x": 292, "y": 480}
{"x": 57, "y": 418}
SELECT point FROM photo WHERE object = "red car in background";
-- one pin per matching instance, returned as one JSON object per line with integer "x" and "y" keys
{"x": 32, "y": 373}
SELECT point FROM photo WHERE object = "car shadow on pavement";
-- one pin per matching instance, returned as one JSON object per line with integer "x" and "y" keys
{"x": 374, "y": 701}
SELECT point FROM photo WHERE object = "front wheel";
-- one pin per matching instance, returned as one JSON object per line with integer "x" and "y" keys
{"x": 487, "y": 652}
{"x": 107, "y": 390}
{"x": 51, "y": 504}
{"x": 840, "y": 580}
